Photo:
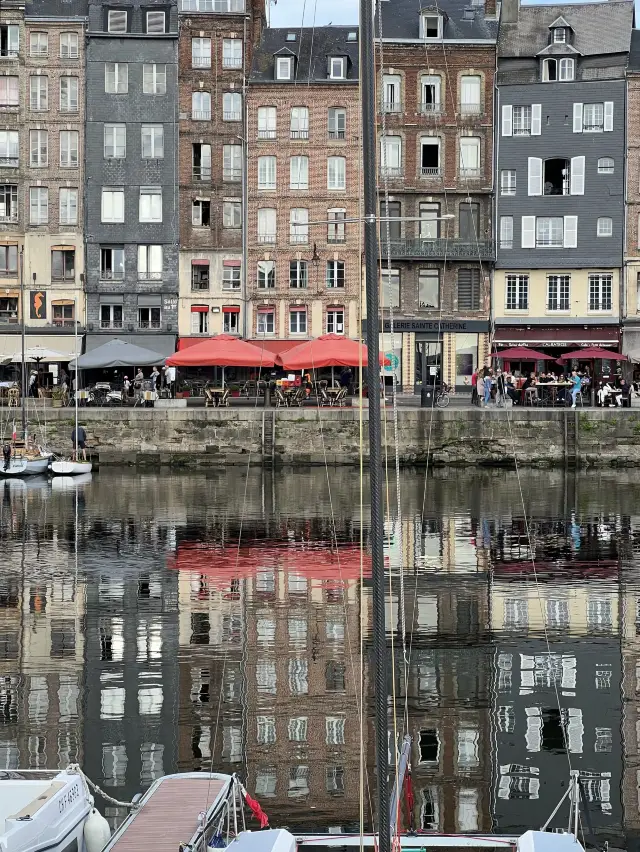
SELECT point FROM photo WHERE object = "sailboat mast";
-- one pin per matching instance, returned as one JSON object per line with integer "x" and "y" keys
{"x": 77, "y": 382}
{"x": 367, "y": 72}
{"x": 23, "y": 377}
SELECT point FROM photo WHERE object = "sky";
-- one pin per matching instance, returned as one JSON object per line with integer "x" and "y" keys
{"x": 286, "y": 13}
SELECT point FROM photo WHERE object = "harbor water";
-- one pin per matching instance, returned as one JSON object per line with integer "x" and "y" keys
{"x": 161, "y": 623}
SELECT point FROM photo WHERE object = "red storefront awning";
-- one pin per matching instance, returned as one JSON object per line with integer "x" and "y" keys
{"x": 276, "y": 347}
{"x": 570, "y": 337}
{"x": 230, "y": 309}
{"x": 199, "y": 309}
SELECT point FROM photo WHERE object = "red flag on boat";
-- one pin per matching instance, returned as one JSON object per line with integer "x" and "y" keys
{"x": 14, "y": 434}
{"x": 256, "y": 810}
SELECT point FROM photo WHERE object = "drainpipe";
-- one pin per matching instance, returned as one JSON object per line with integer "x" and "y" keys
{"x": 245, "y": 184}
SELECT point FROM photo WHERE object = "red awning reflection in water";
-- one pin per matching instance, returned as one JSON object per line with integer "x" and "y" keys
{"x": 224, "y": 564}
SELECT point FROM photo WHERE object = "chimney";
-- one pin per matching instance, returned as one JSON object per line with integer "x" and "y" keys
{"x": 490, "y": 8}
{"x": 509, "y": 11}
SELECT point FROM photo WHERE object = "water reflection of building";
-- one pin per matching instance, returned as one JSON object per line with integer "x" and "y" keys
{"x": 630, "y": 600}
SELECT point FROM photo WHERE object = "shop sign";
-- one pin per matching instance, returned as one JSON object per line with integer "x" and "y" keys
{"x": 421, "y": 326}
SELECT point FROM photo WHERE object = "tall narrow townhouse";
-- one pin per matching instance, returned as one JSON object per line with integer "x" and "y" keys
{"x": 631, "y": 283}
{"x": 435, "y": 126}
{"x": 560, "y": 145}
{"x": 131, "y": 186}
{"x": 215, "y": 51}
{"x": 304, "y": 175}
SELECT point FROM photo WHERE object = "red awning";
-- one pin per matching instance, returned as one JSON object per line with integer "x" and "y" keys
{"x": 521, "y": 353}
{"x": 199, "y": 263}
{"x": 230, "y": 309}
{"x": 276, "y": 347}
{"x": 223, "y": 350}
{"x": 231, "y": 263}
{"x": 329, "y": 350}
{"x": 557, "y": 336}
{"x": 593, "y": 353}
{"x": 199, "y": 309}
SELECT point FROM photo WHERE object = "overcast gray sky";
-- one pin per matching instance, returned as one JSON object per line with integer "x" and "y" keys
{"x": 288, "y": 13}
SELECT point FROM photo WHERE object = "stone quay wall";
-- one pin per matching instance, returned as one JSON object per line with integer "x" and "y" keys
{"x": 214, "y": 437}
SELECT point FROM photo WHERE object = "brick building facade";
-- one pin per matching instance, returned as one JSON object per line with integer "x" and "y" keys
{"x": 304, "y": 167}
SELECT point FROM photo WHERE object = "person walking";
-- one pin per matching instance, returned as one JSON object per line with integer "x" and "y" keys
{"x": 487, "y": 387}
{"x": 155, "y": 378}
{"x": 474, "y": 387}
{"x": 79, "y": 442}
{"x": 480, "y": 389}
{"x": 501, "y": 389}
{"x": 576, "y": 386}
{"x": 170, "y": 379}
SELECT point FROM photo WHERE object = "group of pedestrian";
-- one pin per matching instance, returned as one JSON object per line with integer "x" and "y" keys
{"x": 165, "y": 379}
{"x": 488, "y": 384}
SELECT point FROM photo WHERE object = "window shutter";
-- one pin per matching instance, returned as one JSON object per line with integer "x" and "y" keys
{"x": 528, "y": 239}
{"x": 507, "y": 120}
{"x": 468, "y": 289}
{"x": 536, "y": 119}
{"x": 195, "y": 322}
{"x": 535, "y": 176}
{"x": 608, "y": 115}
{"x": 577, "y": 176}
{"x": 571, "y": 232}
{"x": 577, "y": 118}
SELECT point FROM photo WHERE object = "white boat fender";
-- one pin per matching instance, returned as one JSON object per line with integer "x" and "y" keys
{"x": 96, "y": 832}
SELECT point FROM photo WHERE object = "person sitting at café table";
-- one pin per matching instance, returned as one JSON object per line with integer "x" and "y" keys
{"x": 530, "y": 382}
{"x": 625, "y": 394}
{"x": 606, "y": 394}
{"x": 512, "y": 392}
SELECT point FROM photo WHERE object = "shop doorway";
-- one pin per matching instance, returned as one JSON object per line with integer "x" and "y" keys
{"x": 428, "y": 364}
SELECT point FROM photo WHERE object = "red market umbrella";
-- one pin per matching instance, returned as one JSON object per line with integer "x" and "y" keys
{"x": 329, "y": 350}
{"x": 223, "y": 350}
{"x": 522, "y": 353}
{"x": 595, "y": 353}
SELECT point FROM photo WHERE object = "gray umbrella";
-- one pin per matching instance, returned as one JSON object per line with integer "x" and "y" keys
{"x": 117, "y": 353}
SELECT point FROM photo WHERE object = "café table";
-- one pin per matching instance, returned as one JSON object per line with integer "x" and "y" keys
{"x": 553, "y": 387}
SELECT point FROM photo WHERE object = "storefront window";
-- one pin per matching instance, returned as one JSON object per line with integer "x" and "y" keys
{"x": 428, "y": 363}
{"x": 466, "y": 358}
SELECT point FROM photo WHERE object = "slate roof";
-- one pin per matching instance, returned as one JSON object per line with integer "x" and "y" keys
{"x": 634, "y": 55}
{"x": 401, "y": 20}
{"x": 599, "y": 28}
{"x": 56, "y": 9}
{"x": 313, "y": 47}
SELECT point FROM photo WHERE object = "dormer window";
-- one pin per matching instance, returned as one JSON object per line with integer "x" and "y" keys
{"x": 337, "y": 68}
{"x": 352, "y": 36}
{"x": 560, "y": 35}
{"x": 554, "y": 70}
{"x": 284, "y": 68}
{"x": 291, "y": 36}
{"x": 431, "y": 26}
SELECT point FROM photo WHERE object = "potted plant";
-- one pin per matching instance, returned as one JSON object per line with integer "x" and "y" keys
{"x": 57, "y": 398}
{"x": 183, "y": 391}
{"x": 234, "y": 390}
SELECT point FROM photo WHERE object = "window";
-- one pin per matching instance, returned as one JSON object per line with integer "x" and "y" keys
{"x": 560, "y": 35}
{"x": 201, "y": 106}
{"x": 605, "y": 226}
{"x": 231, "y": 275}
{"x": 600, "y": 292}
{"x": 68, "y": 206}
{"x": 336, "y": 173}
{"x": 231, "y": 53}
{"x": 38, "y": 148}
{"x": 299, "y": 123}
{"x": 112, "y": 205}
{"x": 337, "y": 68}
{"x": 69, "y": 46}
{"x": 334, "y": 730}
{"x": 200, "y": 275}
{"x": 506, "y": 232}
{"x": 560, "y": 176}
{"x": 69, "y": 149}
{"x": 154, "y": 79}
{"x": 335, "y": 273}
{"x": 517, "y": 296}
{"x": 9, "y": 148}
{"x": 428, "y": 289}
{"x": 298, "y": 321}
{"x": 150, "y": 207}
{"x": 430, "y": 26}
{"x": 230, "y": 321}
{"x": 8, "y": 203}
{"x": 201, "y": 161}
{"x": 39, "y": 44}
{"x": 391, "y": 156}
{"x": 112, "y": 263}
{"x": 284, "y": 68}
{"x": 201, "y": 52}
{"x": 469, "y": 289}
{"x": 9, "y": 40}
{"x": 337, "y": 123}
{"x": 231, "y": 162}
{"x": 267, "y": 228}
{"x": 63, "y": 314}
{"x": 38, "y": 92}
{"x": 298, "y": 225}
{"x": 605, "y": 166}
{"x": 148, "y": 317}
{"x": 8, "y": 314}
{"x": 116, "y": 78}
{"x": 467, "y": 749}
{"x": 593, "y": 117}
{"x": 391, "y": 87}
{"x": 298, "y": 274}
{"x": 231, "y": 214}
{"x": 155, "y": 23}
{"x": 390, "y": 288}
{"x": 232, "y": 106}
{"x": 266, "y": 321}
{"x": 470, "y": 95}
{"x": 557, "y": 70}
{"x": 38, "y": 205}
{"x": 335, "y": 323}
{"x": 430, "y": 156}
{"x": 201, "y": 213}
{"x": 469, "y": 156}
{"x": 9, "y": 261}
{"x": 267, "y": 122}
{"x": 298, "y": 728}
{"x": 266, "y": 274}
{"x": 149, "y": 263}
{"x": 9, "y": 94}
{"x": 116, "y": 21}
{"x": 429, "y": 745}
{"x": 110, "y": 316}
{"x": 199, "y": 319}
{"x": 549, "y": 231}
{"x": 521, "y": 121}
{"x": 508, "y": 182}
{"x": 430, "y": 97}
{"x": 429, "y": 226}
{"x": 336, "y": 229}
{"x": 152, "y": 141}
{"x": 115, "y": 140}
{"x": 63, "y": 265}
{"x": 558, "y": 292}
{"x": 392, "y": 229}
{"x": 68, "y": 94}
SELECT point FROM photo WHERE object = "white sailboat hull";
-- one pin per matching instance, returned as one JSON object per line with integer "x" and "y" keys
{"x": 70, "y": 468}
{"x": 37, "y": 466}
{"x": 70, "y": 483}
{"x": 16, "y": 467}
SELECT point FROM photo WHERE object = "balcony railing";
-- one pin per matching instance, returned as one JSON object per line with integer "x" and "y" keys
{"x": 8, "y": 53}
{"x": 14, "y": 162}
{"x": 266, "y": 134}
{"x": 144, "y": 324}
{"x": 201, "y": 115}
{"x": 470, "y": 109}
{"x": 337, "y": 134}
{"x": 471, "y": 173}
{"x": 299, "y": 238}
{"x": 430, "y": 108}
{"x": 111, "y": 275}
{"x": 264, "y": 239}
{"x": 391, "y": 171}
{"x": 391, "y": 106}
{"x": 201, "y": 62}
{"x": 299, "y": 134}
{"x": 200, "y": 286}
{"x": 149, "y": 276}
{"x": 69, "y": 53}
{"x": 231, "y": 115}
{"x": 9, "y": 217}
{"x": 232, "y": 174}
{"x": 63, "y": 323}
{"x": 336, "y": 240}
{"x": 111, "y": 324}
{"x": 9, "y": 107}
{"x": 453, "y": 249}
{"x": 39, "y": 52}
{"x": 201, "y": 172}
{"x": 232, "y": 62}
{"x": 431, "y": 171}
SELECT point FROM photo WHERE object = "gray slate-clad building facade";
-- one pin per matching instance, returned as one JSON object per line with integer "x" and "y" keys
{"x": 560, "y": 153}
{"x": 131, "y": 186}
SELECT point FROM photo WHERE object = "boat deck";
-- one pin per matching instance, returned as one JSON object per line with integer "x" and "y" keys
{"x": 170, "y": 816}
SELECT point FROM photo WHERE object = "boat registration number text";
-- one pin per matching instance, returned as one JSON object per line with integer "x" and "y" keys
{"x": 69, "y": 798}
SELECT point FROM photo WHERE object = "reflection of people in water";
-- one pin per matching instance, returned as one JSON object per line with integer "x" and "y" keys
{"x": 575, "y": 532}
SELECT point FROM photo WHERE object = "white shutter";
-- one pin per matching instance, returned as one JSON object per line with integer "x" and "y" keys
{"x": 195, "y": 322}
{"x": 507, "y": 120}
{"x": 577, "y": 176}
{"x": 577, "y": 118}
{"x": 142, "y": 261}
{"x": 535, "y": 176}
{"x": 536, "y": 119}
{"x": 608, "y": 115}
{"x": 528, "y": 232}
{"x": 571, "y": 232}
